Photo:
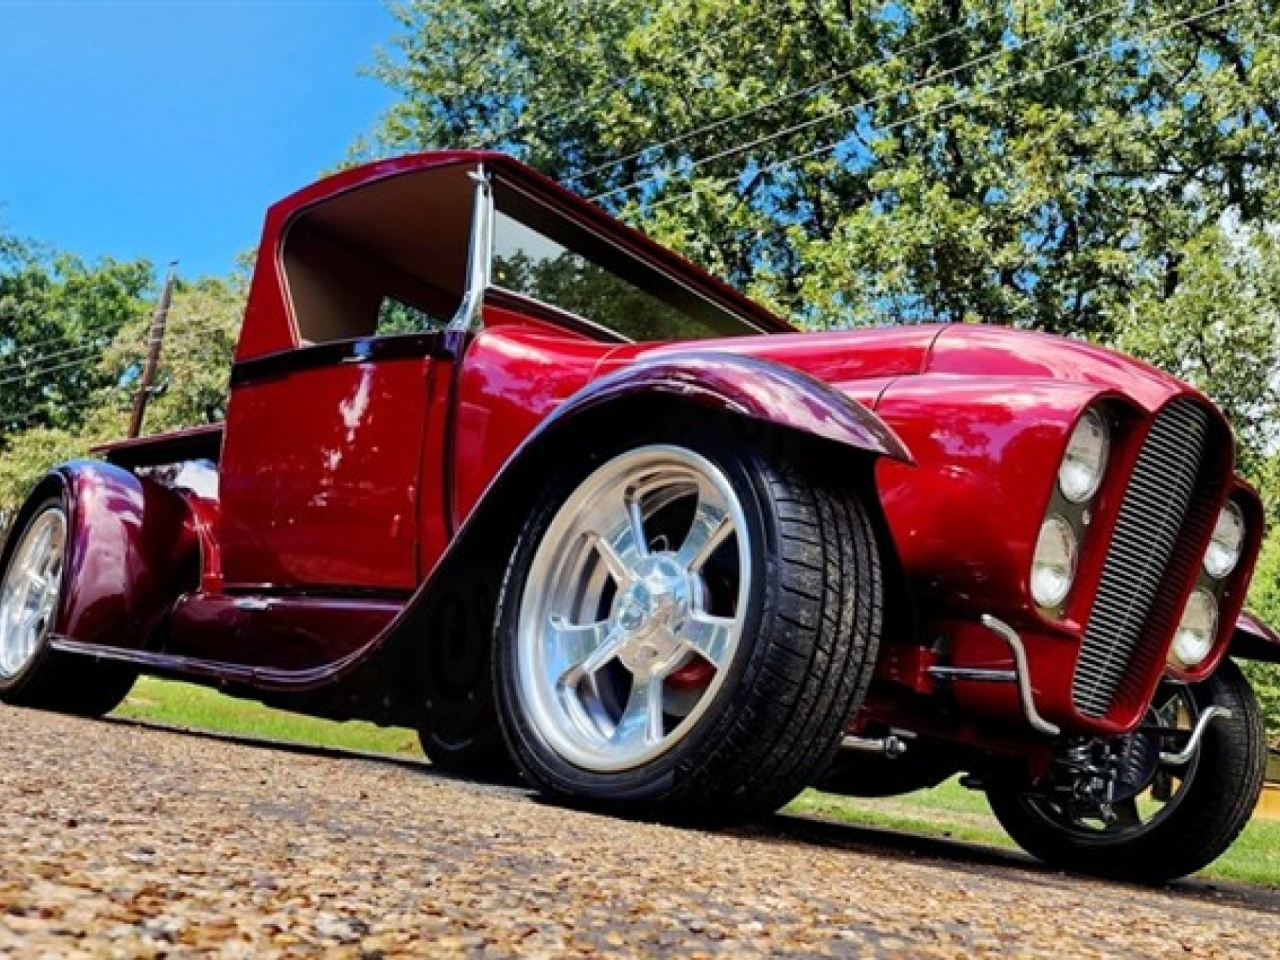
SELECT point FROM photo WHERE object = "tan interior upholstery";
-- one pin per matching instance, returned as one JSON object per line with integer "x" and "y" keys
{"x": 405, "y": 237}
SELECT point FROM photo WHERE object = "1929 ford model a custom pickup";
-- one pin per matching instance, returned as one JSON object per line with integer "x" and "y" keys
{"x": 496, "y": 467}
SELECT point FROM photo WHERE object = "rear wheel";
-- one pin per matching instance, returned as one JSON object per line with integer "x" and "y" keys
{"x": 32, "y": 674}
{"x": 1165, "y": 819}
{"x": 685, "y": 631}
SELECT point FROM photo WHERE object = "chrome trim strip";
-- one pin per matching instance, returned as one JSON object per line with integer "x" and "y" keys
{"x": 1183, "y": 757}
{"x": 973, "y": 674}
{"x": 469, "y": 318}
{"x": 1009, "y": 636}
{"x": 891, "y": 746}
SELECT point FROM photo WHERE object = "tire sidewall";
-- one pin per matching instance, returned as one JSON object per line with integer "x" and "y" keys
{"x": 694, "y": 757}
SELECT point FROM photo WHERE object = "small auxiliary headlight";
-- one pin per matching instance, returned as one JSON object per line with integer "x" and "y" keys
{"x": 1053, "y": 568}
{"x": 1085, "y": 462}
{"x": 1227, "y": 543}
{"x": 1196, "y": 632}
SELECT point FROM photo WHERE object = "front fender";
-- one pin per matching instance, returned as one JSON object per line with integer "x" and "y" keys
{"x": 1254, "y": 640}
{"x": 750, "y": 387}
{"x": 447, "y": 628}
{"x": 131, "y": 550}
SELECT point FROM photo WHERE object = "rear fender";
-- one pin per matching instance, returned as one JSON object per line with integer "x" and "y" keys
{"x": 132, "y": 550}
{"x": 1254, "y": 640}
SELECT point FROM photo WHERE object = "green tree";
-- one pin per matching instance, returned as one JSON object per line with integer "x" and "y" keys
{"x": 1219, "y": 328}
{"x": 1028, "y": 162}
{"x": 195, "y": 361}
{"x": 57, "y": 315}
{"x": 190, "y": 387}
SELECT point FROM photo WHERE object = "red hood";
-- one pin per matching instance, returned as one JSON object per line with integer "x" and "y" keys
{"x": 862, "y": 363}
{"x": 846, "y": 359}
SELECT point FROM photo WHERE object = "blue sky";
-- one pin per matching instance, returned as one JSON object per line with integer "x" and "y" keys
{"x": 164, "y": 129}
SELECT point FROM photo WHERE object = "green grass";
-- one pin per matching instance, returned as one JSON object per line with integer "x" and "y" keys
{"x": 949, "y": 811}
{"x": 187, "y": 705}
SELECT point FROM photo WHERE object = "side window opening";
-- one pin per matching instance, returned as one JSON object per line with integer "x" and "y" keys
{"x": 396, "y": 316}
{"x": 385, "y": 258}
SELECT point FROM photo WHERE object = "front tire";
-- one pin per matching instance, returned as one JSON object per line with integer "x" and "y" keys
{"x": 1187, "y": 816}
{"x": 684, "y": 632}
{"x": 32, "y": 674}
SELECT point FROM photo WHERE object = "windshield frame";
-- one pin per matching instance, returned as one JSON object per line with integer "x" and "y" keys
{"x": 678, "y": 290}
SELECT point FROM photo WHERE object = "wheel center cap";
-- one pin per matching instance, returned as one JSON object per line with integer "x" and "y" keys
{"x": 652, "y": 610}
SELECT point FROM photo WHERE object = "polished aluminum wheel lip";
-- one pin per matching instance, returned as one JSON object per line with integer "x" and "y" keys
{"x": 595, "y": 549}
{"x": 30, "y": 590}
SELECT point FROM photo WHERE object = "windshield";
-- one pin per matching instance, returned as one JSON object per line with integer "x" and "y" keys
{"x": 545, "y": 258}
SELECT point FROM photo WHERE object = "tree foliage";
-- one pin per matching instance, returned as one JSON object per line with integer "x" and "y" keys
{"x": 1029, "y": 162}
{"x": 57, "y": 314}
{"x": 190, "y": 386}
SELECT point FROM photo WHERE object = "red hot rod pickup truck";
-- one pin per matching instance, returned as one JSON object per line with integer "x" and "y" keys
{"x": 499, "y": 468}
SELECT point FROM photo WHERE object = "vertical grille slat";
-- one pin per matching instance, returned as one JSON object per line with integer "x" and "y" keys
{"x": 1159, "y": 504}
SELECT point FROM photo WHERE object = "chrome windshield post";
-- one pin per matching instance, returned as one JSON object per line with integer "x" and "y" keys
{"x": 469, "y": 317}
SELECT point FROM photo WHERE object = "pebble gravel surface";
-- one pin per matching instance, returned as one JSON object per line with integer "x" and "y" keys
{"x": 120, "y": 840}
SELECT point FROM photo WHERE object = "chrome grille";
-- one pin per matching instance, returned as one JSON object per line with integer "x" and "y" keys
{"x": 1150, "y": 525}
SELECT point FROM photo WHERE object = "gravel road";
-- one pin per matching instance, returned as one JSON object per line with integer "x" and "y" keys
{"x": 118, "y": 840}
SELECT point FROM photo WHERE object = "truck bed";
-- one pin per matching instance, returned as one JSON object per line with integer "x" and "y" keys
{"x": 196, "y": 443}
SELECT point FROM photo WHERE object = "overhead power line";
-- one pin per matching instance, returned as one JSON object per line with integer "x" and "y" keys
{"x": 25, "y": 351}
{"x": 31, "y": 358}
{"x": 915, "y": 85}
{"x": 920, "y": 115}
{"x": 804, "y": 92}
{"x": 182, "y": 329}
{"x": 619, "y": 80}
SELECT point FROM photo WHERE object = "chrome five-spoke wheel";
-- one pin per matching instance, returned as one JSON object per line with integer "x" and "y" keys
{"x": 634, "y": 608}
{"x": 684, "y": 630}
{"x": 30, "y": 591}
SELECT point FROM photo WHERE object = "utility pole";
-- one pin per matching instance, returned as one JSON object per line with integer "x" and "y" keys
{"x": 153, "y": 354}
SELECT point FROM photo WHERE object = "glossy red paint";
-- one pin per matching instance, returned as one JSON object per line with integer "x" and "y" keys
{"x": 131, "y": 550}
{"x": 320, "y": 477}
{"x": 843, "y": 359}
{"x": 965, "y": 523}
{"x": 999, "y": 351}
{"x": 512, "y": 378}
{"x": 749, "y": 386}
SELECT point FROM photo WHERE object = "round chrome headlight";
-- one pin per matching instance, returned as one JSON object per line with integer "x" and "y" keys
{"x": 1196, "y": 632}
{"x": 1227, "y": 543}
{"x": 1085, "y": 461}
{"x": 1053, "y": 568}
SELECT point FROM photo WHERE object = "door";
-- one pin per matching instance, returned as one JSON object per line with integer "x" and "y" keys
{"x": 322, "y": 464}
